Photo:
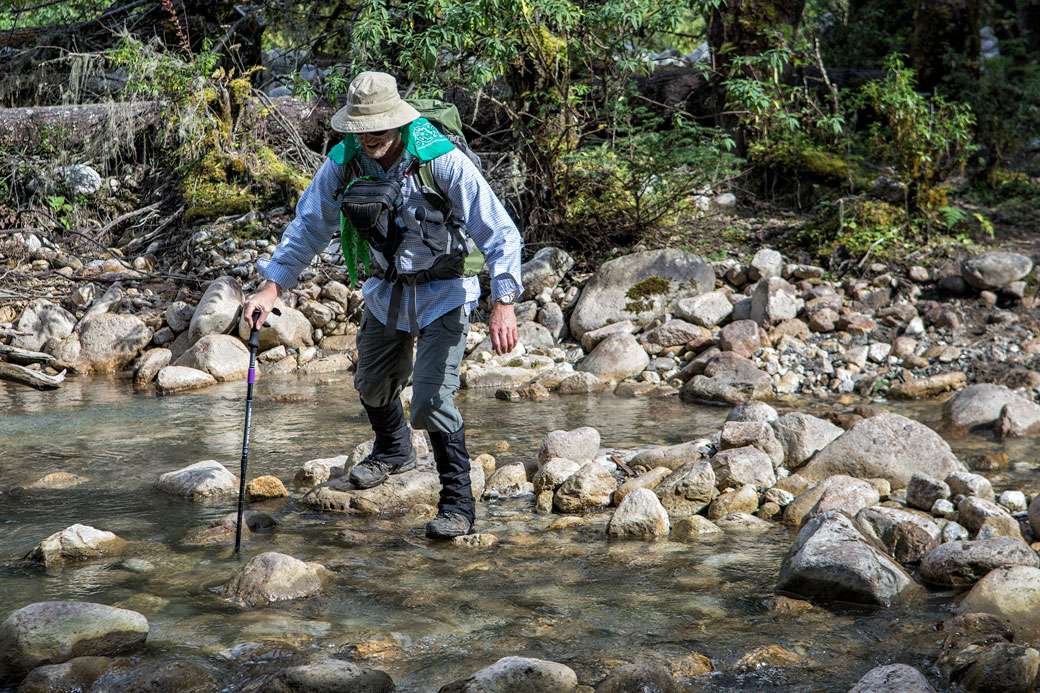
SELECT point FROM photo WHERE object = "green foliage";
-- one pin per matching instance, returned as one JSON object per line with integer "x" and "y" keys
{"x": 618, "y": 188}
{"x": 851, "y": 227}
{"x": 861, "y": 38}
{"x": 155, "y": 73}
{"x": 17, "y": 14}
{"x": 925, "y": 139}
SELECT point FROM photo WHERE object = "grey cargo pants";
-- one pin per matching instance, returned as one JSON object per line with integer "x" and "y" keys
{"x": 385, "y": 362}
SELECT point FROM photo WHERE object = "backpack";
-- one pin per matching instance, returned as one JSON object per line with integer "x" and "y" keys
{"x": 372, "y": 210}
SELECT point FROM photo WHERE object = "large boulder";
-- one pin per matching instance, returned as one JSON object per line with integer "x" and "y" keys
{"x": 1011, "y": 592}
{"x": 109, "y": 342}
{"x": 171, "y": 379}
{"x": 639, "y": 287}
{"x": 76, "y": 543}
{"x": 518, "y": 675}
{"x": 1018, "y": 419}
{"x": 798, "y": 510}
{"x": 399, "y": 492}
{"x": 617, "y": 357}
{"x": 994, "y": 271}
{"x": 961, "y": 563}
{"x": 274, "y": 577}
{"x": 55, "y": 632}
{"x": 217, "y": 309}
{"x": 893, "y": 678}
{"x": 976, "y": 407}
{"x": 641, "y": 676}
{"x": 802, "y": 436}
{"x": 291, "y": 329}
{"x": 577, "y": 445}
{"x": 544, "y": 270}
{"x": 687, "y": 490}
{"x": 221, "y": 355}
{"x": 43, "y": 321}
{"x": 329, "y": 676}
{"x": 640, "y": 515}
{"x": 887, "y": 446}
{"x": 832, "y": 560}
{"x": 199, "y": 482}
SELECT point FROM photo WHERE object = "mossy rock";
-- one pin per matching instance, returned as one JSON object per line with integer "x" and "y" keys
{"x": 222, "y": 184}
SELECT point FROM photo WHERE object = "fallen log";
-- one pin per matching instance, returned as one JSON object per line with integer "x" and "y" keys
{"x": 25, "y": 376}
{"x": 24, "y": 356}
{"x": 76, "y": 124}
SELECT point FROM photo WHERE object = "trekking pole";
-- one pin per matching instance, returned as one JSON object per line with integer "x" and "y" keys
{"x": 254, "y": 346}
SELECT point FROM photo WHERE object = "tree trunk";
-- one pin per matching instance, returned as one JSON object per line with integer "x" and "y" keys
{"x": 943, "y": 28}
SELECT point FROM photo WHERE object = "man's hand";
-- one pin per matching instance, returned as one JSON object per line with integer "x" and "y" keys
{"x": 263, "y": 300}
{"x": 503, "y": 328}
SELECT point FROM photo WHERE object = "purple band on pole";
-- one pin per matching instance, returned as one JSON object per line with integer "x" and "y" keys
{"x": 252, "y": 376}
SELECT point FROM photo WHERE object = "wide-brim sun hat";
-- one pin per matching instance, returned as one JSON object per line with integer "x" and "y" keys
{"x": 373, "y": 104}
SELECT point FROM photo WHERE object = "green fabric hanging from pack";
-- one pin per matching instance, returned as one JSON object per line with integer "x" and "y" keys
{"x": 424, "y": 141}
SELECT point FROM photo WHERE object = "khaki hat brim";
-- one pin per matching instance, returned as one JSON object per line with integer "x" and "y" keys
{"x": 402, "y": 114}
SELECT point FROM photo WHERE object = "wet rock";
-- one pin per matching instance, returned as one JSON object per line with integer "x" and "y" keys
{"x": 706, "y": 310}
{"x": 746, "y": 465}
{"x": 802, "y": 435}
{"x": 649, "y": 480}
{"x": 639, "y": 515}
{"x": 274, "y": 577}
{"x": 43, "y": 321}
{"x": 508, "y": 480}
{"x": 475, "y": 541}
{"x": 741, "y": 337}
{"x": 832, "y": 560}
{"x": 887, "y": 446}
{"x": 291, "y": 329}
{"x": 693, "y": 527}
{"x": 962, "y": 563}
{"x": 641, "y": 676}
{"x": 688, "y": 489}
{"x": 333, "y": 363}
{"x": 55, "y": 632}
{"x": 905, "y": 535}
{"x": 798, "y": 509}
{"x": 968, "y": 484}
{"x": 773, "y": 301}
{"x": 757, "y": 434}
{"x": 638, "y": 287}
{"x": 399, "y": 492}
{"x": 329, "y": 676}
{"x": 223, "y": 530}
{"x": 518, "y": 675}
{"x": 497, "y": 377}
{"x": 265, "y": 488}
{"x": 929, "y": 386}
{"x": 553, "y": 473}
{"x": 753, "y": 411}
{"x": 1000, "y": 666}
{"x": 221, "y": 355}
{"x": 200, "y": 482}
{"x": 173, "y": 379}
{"x": 77, "y": 674}
{"x": 580, "y": 384}
{"x": 1018, "y": 419}
{"x": 108, "y": 342}
{"x": 974, "y": 512}
{"x": 768, "y": 656}
{"x": 994, "y": 271}
{"x": 56, "y": 480}
{"x": 672, "y": 456}
{"x": 617, "y": 357}
{"x": 589, "y": 488}
{"x": 544, "y": 270}
{"x": 743, "y": 522}
{"x": 76, "y": 543}
{"x": 893, "y": 678}
{"x": 734, "y": 500}
{"x": 152, "y": 361}
{"x": 976, "y": 408}
{"x": 168, "y": 676}
{"x": 578, "y": 444}
{"x": 1012, "y": 593}
{"x": 922, "y": 491}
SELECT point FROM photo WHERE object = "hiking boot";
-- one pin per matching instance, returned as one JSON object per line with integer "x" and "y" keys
{"x": 373, "y": 470}
{"x": 447, "y": 525}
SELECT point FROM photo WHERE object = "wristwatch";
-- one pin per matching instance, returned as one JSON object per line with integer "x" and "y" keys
{"x": 506, "y": 299}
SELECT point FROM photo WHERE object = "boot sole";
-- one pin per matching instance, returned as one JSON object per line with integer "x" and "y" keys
{"x": 407, "y": 466}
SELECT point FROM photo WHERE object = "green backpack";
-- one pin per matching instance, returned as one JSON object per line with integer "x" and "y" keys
{"x": 445, "y": 118}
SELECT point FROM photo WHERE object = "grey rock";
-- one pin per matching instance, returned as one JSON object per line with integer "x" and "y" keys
{"x": 329, "y": 676}
{"x": 76, "y": 543}
{"x": 976, "y": 407}
{"x": 399, "y": 492}
{"x": 216, "y": 311}
{"x": 905, "y": 535}
{"x": 672, "y": 456}
{"x": 590, "y": 339}
{"x": 1002, "y": 665}
{"x": 544, "y": 270}
{"x": 706, "y": 310}
{"x": 55, "y": 632}
{"x": 641, "y": 676}
{"x": 550, "y": 316}
{"x": 518, "y": 675}
{"x": 671, "y": 333}
{"x": 687, "y": 490}
{"x": 922, "y": 491}
{"x": 108, "y": 342}
{"x": 765, "y": 264}
{"x": 580, "y": 384}
{"x": 974, "y": 511}
{"x": 43, "y": 321}
{"x": 151, "y": 362}
{"x": 753, "y": 411}
{"x": 577, "y": 445}
{"x": 221, "y": 355}
{"x": 798, "y": 509}
{"x": 1012, "y": 593}
{"x": 848, "y": 496}
{"x": 994, "y": 271}
{"x": 773, "y": 301}
{"x": 887, "y": 446}
{"x": 969, "y": 484}
{"x": 199, "y": 482}
{"x": 604, "y": 298}
{"x": 746, "y": 465}
{"x": 553, "y": 473}
{"x": 273, "y": 577}
{"x": 617, "y": 357}
{"x": 802, "y": 435}
{"x": 740, "y": 383}
{"x": 832, "y": 560}
{"x": 962, "y": 563}
{"x": 589, "y": 488}
{"x": 1018, "y": 419}
{"x": 291, "y": 329}
{"x": 893, "y": 678}
{"x": 171, "y": 379}
{"x": 740, "y": 336}
{"x": 758, "y": 434}
{"x": 178, "y": 316}
{"x": 640, "y": 515}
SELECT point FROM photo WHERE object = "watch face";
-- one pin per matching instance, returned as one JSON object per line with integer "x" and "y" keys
{"x": 506, "y": 299}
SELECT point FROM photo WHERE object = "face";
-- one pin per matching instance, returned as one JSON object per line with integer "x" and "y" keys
{"x": 377, "y": 145}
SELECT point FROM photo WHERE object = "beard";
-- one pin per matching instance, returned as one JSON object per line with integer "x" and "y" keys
{"x": 380, "y": 147}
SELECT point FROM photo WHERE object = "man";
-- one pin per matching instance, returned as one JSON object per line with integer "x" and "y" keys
{"x": 386, "y": 140}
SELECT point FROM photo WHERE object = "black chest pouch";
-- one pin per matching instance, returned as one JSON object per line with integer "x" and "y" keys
{"x": 373, "y": 208}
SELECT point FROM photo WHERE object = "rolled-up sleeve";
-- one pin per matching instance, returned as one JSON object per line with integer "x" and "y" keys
{"x": 486, "y": 219}
{"x": 315, "y": 225}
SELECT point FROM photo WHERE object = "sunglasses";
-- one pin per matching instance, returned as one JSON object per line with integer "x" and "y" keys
{"x": 375, "y": 133}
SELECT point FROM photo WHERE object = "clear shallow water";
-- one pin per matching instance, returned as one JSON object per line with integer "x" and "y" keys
{"x": 434, "y": 614}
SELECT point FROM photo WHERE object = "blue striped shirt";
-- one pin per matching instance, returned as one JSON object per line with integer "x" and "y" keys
{"x": 317, "y": 222}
